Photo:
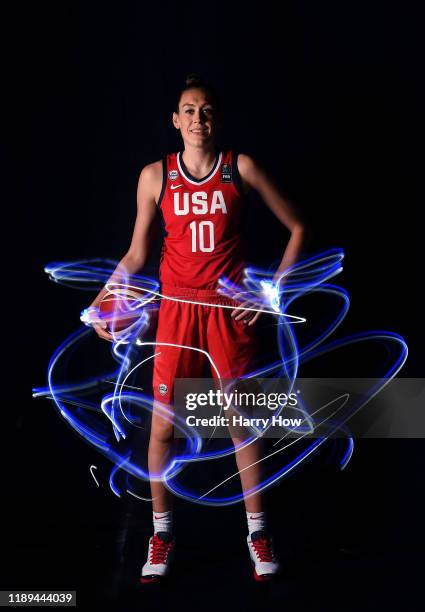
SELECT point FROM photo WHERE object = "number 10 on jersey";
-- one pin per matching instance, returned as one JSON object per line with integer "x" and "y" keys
{"x": 202, "y": 236}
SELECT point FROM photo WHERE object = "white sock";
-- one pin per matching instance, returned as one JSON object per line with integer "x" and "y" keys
{"x": 256, "y": 521}
{"x": 163, "y": 521}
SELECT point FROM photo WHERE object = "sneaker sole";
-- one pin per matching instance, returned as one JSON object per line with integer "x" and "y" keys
{"x": 151, "y": 579}
{"x": 263, "y": 577}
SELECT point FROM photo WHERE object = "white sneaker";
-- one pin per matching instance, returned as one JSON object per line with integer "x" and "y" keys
{"x": 260, "y": 547}
{"x": 161, "y": 547}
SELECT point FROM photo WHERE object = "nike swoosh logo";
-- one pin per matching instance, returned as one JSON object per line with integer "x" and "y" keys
{"x": 175, "y": 186}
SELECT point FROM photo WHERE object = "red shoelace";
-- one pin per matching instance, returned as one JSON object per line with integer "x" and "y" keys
{"x": 263, "y": 549}
{"x": 160, "y": 550}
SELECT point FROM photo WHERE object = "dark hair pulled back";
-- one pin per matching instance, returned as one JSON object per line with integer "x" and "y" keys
{"x": 195, "y": 80}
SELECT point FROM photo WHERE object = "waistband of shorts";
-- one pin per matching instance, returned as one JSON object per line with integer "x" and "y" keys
{"x": 197, "y": 295}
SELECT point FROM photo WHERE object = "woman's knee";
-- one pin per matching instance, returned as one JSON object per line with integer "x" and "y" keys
{"x": 162, "y": 430}
{"x": 238, "y": 441}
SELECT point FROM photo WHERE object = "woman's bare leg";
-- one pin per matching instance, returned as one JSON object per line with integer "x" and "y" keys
{"x": 250, "y": 476}
{"x": 160, "y": 450}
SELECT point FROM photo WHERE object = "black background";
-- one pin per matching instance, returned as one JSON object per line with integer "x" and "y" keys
{"x": 329, "y": 97}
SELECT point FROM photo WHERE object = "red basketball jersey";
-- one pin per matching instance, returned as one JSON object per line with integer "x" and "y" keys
{"x": 203, "y": 222}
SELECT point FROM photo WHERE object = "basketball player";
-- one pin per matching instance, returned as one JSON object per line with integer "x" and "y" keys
{"x": 199, "y": 193}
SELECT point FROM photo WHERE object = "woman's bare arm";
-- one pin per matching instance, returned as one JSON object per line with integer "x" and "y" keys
{"x": 141, "y": 243}
{"x": 256, "y": 177}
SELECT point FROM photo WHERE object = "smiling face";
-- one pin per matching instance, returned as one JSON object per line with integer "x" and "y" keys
{"x": 198, "y": 118}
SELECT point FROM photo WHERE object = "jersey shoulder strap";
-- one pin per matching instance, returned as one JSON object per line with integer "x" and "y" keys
{"x": 164, "y": 178}
{"x": 237, "y": 180}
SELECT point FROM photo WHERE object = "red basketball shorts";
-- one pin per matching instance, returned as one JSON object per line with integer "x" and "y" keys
{"x": 192, "y": 338}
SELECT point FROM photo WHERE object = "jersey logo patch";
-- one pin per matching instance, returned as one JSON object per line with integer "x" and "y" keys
{"x": 226, "y": 173}
{"x": 173, "y": 174}
{"x": 163, "y": 389}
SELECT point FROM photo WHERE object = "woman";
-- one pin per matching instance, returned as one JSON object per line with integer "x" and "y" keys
{"x": 199, "y": 192}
